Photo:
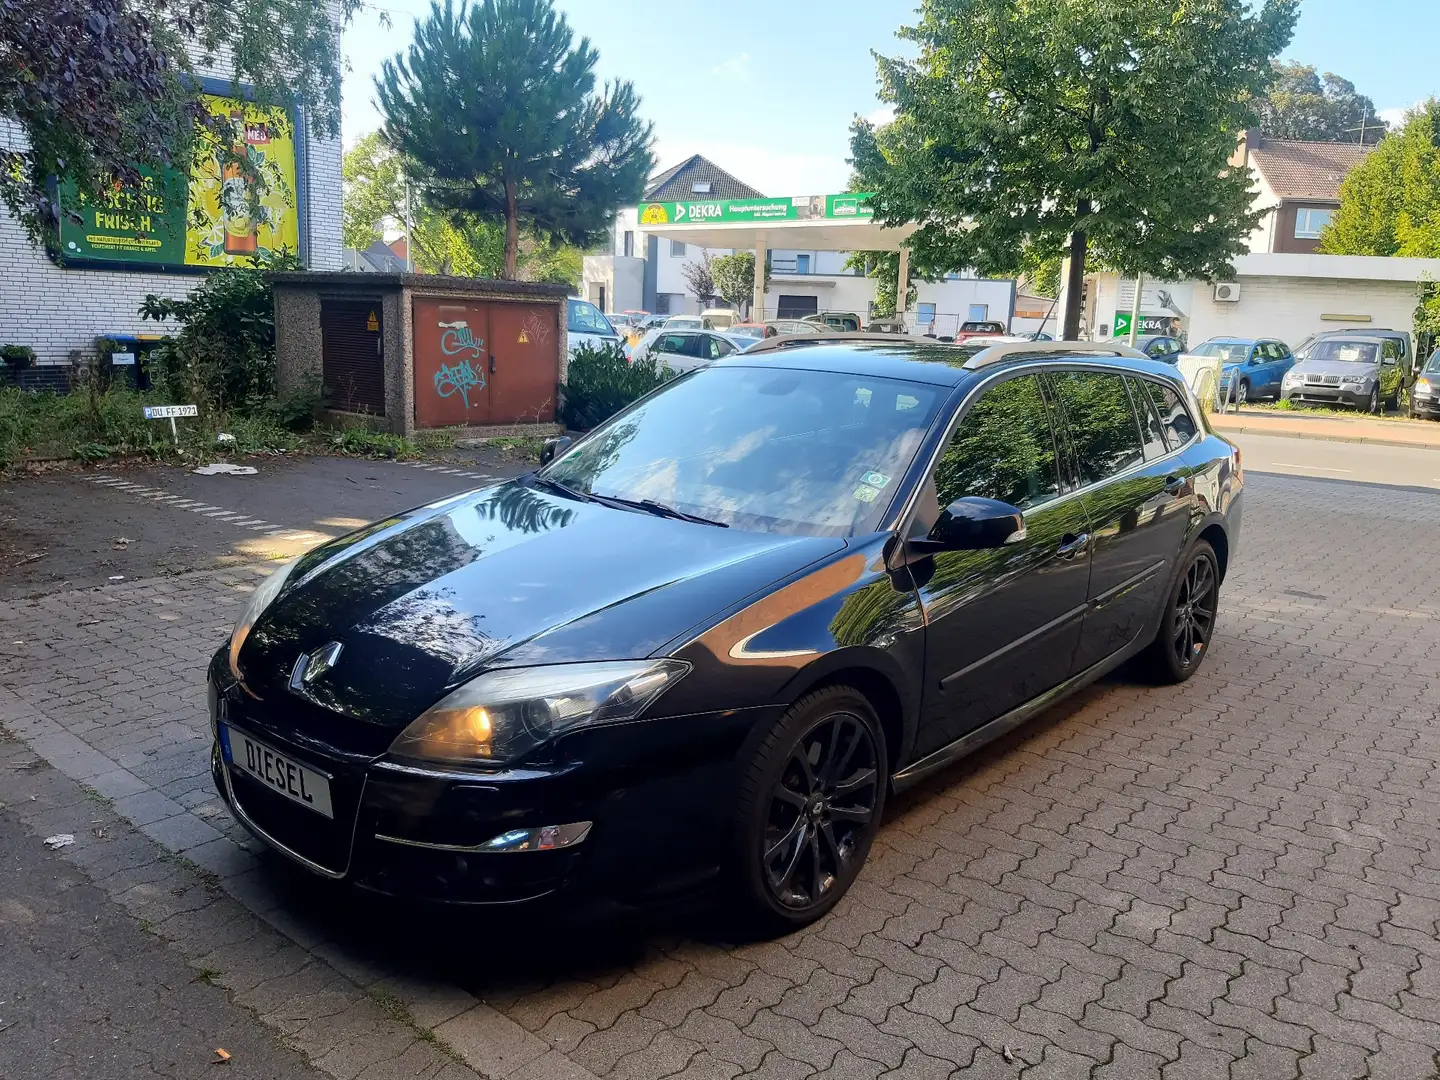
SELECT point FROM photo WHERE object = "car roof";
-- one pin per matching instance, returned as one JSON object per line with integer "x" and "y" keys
{"x": 890, "y": 356}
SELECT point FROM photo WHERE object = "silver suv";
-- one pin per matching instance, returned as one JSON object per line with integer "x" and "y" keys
{"x": 1360, "y": 370}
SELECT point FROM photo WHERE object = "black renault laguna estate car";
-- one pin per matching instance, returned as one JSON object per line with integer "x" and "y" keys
{"x": 697, "y": 648}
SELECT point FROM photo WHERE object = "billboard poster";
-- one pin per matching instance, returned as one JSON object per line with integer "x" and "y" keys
{"x": 1164, "y": 309}
{"x": 749, "y": 211}
{"x": 204, "y": 218}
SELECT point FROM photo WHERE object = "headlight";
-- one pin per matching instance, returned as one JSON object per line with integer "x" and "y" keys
{"x": 504, "y": 714}
{"x": 1355, "y": 380}
{"x": 260, "y": 599}
{"x": 1293, "y": 377}
{"x": 1422, "y": 384}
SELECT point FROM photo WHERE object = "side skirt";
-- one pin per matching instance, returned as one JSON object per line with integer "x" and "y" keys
{"x": 1002, "y": 725}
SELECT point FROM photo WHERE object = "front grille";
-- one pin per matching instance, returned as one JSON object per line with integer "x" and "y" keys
{"x": 1322, "y": 380}
{"x": 324, "y": 841}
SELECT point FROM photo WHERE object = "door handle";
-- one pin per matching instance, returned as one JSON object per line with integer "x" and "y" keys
{"x": 1175, "y": 485}
{"x": 1072, "y": 545}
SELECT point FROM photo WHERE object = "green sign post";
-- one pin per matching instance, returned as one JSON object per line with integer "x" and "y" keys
{"x": 751, "y": 211}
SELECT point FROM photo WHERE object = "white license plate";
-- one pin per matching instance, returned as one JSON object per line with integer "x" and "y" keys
{"x": 279, "y": 772}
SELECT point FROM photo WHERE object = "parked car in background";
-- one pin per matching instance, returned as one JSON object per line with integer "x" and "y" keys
{"x": 699, "y": 648}
{"x": 1425, "y": 394}
{"x": 1356, "y": 370}
{"x": 684, "y": 350}
{"x": 844, "y": 321}
{"x": 795, "y": 326}
{"x": 752, "y": 330}
{"x": 719, "y": 318}
{"x": 1257, "y": 366}
{"x": 683, "y": 322}
{"x": 1401, "y": 338}
{"x": 587, "y": 325}
{"x": 1160, "y": 347}
{"x": 980, "y": 329}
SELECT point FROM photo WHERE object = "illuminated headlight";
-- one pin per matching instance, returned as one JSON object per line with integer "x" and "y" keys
{"x": 502, "y": 715}
{"x": 260, "y": 599}
{"x": 1423, "y": 385}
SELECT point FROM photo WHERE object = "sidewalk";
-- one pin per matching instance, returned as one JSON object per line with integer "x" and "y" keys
{"x": 1300, "y": 425}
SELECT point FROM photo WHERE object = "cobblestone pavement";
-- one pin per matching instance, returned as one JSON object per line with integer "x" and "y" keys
{"x": 1235, "y": 878}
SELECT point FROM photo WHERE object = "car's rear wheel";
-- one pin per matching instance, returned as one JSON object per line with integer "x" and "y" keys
{"x": 1188, "y": 622}
{"x": 809, "y": 808}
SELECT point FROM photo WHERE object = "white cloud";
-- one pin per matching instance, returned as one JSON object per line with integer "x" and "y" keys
{"x": 1395, "y": 117}
{"x": 773, "y": 171}
{"x": 737, "y": 68}
{"x": 881, "y": 116}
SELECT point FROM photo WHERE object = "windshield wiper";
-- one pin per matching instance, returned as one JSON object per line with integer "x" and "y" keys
{"x": 650, "y": 506}
{"x": 563, "y": 489}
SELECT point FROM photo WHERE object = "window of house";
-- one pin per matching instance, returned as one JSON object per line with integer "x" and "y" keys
{"x": 978, "y": 312}
{"x": 700, "y": 187}
{"x": 662, "y": 303}
{"x": 629, "y": 244}
{"x": 1309, "y": 222}
{"x": 925, "y": 313}
{"x": 677, "y": 249}
{"x": 802, "y": 264}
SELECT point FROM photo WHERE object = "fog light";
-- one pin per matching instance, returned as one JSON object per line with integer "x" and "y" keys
{"x": 543, "y": 838}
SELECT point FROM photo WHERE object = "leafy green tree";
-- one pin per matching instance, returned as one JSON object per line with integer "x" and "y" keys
{"x": 101, "y": 89}
{"x": 734, "y": 279}
{"x": 1320, "y": 108}
{"x": 884, "y": 268}
{"x": 1092, "y": 125}
{"x": 501, "y": 116}
{"x": 1390, "y": 202}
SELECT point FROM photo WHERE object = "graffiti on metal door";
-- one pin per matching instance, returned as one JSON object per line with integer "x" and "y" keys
{"x": 462, "y": 376}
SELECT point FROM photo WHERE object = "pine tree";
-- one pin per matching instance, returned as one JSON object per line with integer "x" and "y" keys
{"x": 501, "y": 116}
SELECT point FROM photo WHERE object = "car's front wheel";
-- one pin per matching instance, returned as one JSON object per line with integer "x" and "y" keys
{"x": 809, "y": 808}
{"x": 1373, "y": 405}
{"x": 1188, "y": 622}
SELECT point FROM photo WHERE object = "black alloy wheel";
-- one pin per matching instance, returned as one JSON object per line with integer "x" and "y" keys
{"x": 810, "y": 807}
{"x": 1188, "y": 623}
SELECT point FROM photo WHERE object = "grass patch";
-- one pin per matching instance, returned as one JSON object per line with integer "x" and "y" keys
{"x": 1323, "y": 410}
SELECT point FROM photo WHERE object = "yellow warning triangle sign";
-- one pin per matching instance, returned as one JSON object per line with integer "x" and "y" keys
{"x": 372, "y": 324}
{"x": 524, "y": 338}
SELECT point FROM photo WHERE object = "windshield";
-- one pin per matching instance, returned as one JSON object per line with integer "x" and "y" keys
{"x": 1433, "y": 366}
{"x": 764, "y": 449}
{"x": 1229, "y": 352}
{"x": 1352, "y": 352}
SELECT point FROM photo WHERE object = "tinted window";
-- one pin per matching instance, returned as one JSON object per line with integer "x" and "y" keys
{"x": 1003, "y": 449}
{"x": 1150, "y": 425}
{"x": 585, "y": 318}
{"x": 717, "y": 347}
{"x": 678, "y": 344}
{"x": 1100, "y": 422}
{"x": 768, "y": 450}
{"x": 1174, "y": 416}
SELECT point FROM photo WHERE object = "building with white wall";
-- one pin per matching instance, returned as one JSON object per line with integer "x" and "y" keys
{"x": 1297, "y": 186}
{"x": 638, "y": 270}
{"x": 58, "y": 307}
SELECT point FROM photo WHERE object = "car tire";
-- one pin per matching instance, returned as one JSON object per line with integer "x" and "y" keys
{"x": 1373, "y": 406}
{"x": 1187, "y": 626}
{"x": 1242, "y": 393}
{"x": 810, "y": 802}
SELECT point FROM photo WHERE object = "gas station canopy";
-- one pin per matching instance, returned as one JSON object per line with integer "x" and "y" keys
{"x": 807, "y": 222}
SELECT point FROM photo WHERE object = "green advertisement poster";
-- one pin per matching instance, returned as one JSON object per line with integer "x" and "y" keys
{"x": 1150, "y": 325}
{"x": 133, "y": 225}
{"x": 747, "y": 211}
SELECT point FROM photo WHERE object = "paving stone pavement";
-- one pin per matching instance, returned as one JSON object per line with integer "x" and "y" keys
{"x": 1235, "y": 878}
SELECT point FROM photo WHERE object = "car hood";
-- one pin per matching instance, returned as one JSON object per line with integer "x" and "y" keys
{"x": 505, "y": 576}
{"x": 1334, "y": 367}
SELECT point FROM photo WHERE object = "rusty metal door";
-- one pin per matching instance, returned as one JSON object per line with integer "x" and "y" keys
{"x": 453, "y": 363}
{"x": 525, "y": 362}
{"x": 352, "y": 359}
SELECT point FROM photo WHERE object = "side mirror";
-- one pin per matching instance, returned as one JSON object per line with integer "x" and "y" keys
{"x": 974, "y": 524}
{"x": 553, "y": 448}
{"x": 1389, "y": 361}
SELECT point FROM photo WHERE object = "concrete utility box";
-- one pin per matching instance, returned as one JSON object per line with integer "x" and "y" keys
{"x": 414, "y": 351}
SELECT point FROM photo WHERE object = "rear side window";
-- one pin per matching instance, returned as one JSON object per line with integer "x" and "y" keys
{"x": 1100, "y": 422}
{"x": 1149, "y": 420}
{"x": 585, "y": 318}
{"x": 1174, "y": 416}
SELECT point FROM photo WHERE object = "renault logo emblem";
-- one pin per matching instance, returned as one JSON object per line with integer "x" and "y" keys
{"x": 310, "y": 666}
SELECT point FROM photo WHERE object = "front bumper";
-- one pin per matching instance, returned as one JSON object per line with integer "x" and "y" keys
{"x": 1425, "y": 404}
{"x": 660, "y": 794}
{"x": 1326, "y": 395}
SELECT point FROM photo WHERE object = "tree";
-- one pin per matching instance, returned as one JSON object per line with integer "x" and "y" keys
{"x": 103, "y": 89}
{"x": 1092, "y": 125}
{"x": 735, "y": 279}
{"x": 700, "y": 277}
{"x": 1390, "y": 202}
{"x": 501, "y": 116}
{"x": 1321, "y": 108}
{"x": 884, "y": 268}
{"x": 441, "y": 242}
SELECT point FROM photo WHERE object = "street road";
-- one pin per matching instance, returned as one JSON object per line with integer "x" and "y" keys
{"x": 1239, "y": 877}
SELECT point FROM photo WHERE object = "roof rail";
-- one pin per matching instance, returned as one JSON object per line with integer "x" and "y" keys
{"x": 1009, "y": 349}
{"x": 833, "y": 337}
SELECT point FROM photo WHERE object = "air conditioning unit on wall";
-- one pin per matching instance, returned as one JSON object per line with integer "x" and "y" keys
{"x": 1228, "y": 293}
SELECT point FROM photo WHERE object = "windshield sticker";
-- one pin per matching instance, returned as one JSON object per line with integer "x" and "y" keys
{"x": 875, "y": 480}
{"x": 866, "y": 494}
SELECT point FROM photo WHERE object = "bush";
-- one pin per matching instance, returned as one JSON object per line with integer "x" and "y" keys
{"x": 17, "y": 357}
{"x": 81, "y": 424}
{"x": 601, "y": 382}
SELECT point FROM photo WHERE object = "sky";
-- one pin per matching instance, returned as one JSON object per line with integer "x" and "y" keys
{"x": 768, "y": 90}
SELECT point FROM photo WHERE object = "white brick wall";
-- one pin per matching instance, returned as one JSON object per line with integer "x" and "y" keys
{"x": 55, "y": 311}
